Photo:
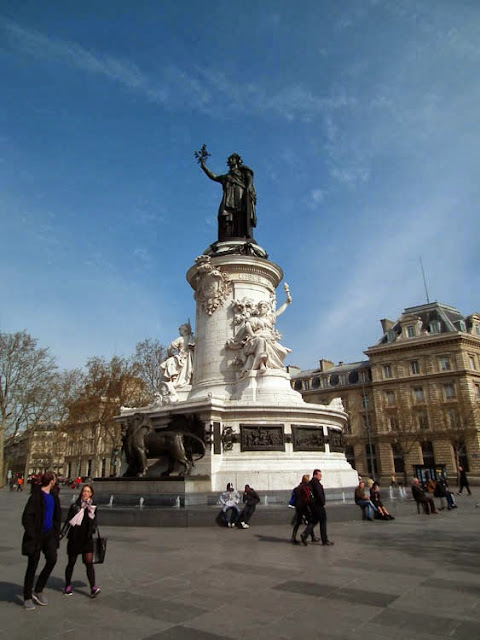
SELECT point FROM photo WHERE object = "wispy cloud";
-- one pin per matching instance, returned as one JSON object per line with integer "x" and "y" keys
{"x": 205, "y": 89}
{"x": 315, "y": 198}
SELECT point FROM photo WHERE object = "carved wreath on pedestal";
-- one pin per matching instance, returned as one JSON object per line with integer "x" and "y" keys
{"x": 213, "y": 286}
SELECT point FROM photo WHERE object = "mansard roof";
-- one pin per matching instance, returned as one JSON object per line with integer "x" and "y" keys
{"x": 341, "y": 367}
{"x": 426, "y": 319}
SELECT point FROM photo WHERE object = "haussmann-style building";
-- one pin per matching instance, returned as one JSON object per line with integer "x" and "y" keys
{"x": 414, "y": 404}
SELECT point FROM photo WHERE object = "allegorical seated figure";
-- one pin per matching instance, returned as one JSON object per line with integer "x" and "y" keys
{"x": 256, "y": 338}
{"x": 178, "y": 367}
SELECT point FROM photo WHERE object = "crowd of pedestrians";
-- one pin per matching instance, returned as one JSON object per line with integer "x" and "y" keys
{"x": 41, "y": 520}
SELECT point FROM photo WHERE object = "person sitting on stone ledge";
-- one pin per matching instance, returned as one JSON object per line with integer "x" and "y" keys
{"x": 364, "y": 502}
{"x": 441, "y": 491}
{"x": 421, "y": 498}
{"x": 250, "y": 500}
{"x": 229, "y": 500}
{"x": 382, "y": 512}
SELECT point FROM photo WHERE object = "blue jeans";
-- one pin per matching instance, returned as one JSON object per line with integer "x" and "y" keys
{"x": 368, "y": 506}
{"x": 234, "y": 514}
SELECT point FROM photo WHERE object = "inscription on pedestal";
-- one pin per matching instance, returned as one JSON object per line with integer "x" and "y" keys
{"x": 261, "y": 438}
{"x": 307, "y": 438}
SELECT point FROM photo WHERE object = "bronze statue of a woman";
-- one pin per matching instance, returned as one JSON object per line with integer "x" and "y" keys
{"x": 236, "y": 214}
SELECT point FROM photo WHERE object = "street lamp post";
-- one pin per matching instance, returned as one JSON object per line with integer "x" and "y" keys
{"x": 370, "y": 465}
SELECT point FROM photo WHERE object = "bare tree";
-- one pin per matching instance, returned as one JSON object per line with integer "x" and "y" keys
{"x": 26, "y": 386}
{"x": 149, "y": 354}
{"x": 107, "y": 385}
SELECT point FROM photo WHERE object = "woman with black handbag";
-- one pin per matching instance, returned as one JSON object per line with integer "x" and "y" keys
{"x": 80, "y": 526}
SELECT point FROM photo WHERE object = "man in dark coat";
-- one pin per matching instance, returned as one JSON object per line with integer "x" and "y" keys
{"x": 250, "y": 500}
{"x": 318, "y": 509}
{"x": 420, "y": 497}
{"x": 463, "y": 481}
{"x": 41, "y": 520}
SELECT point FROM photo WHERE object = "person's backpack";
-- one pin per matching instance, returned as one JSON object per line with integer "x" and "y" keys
{"x": 293, "y": 498}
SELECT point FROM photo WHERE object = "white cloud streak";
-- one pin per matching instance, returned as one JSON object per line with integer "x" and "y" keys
{"x": 204, "y": 89}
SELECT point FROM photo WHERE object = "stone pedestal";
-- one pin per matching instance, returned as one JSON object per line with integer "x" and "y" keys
{"x": 258, "y": 430}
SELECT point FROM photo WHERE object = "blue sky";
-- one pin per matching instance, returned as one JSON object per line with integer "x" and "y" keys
{"x": 360, "y": 119}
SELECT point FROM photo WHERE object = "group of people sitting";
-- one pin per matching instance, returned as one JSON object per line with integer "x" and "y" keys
{"x": 433, "y": 488}
{"x": 371, "y": 505}
{"x": 230, "y": 499}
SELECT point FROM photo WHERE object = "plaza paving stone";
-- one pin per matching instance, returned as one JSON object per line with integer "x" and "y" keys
{"x": 415, "y": 577}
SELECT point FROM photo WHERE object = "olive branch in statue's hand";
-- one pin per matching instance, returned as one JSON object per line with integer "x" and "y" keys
{"x": 202, "y": 154}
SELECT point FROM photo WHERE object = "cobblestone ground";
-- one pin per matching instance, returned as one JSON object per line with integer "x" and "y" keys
{"x": 415, "y": 577}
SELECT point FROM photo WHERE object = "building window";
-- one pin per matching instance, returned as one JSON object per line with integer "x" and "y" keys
{"x": 449, "y": 391}
{"x": 418, "y": 394}
{"x": 365, "y": 401}
{"x": 414, "y": 367}
{"x": 334, "y": 380}
{"x": 366, "y": 375}
{"x": 315, "y": 383}
{"x": 428, "y": 455}
{"x": 367, "y": 420}
{"x": 104, "y": 467}
{"x": 435, "y": 326}
{"x": 471, "y": 360}
{"x": 444, "y": 363}
{"x": 452, "y": 418}
{"x": 297, "y": 385}
{"x": 89, "y": 468}
{"x": 393, "y": 422}
{"x": 410, "y": 331}
{"x": 387, "y": 371}
{"x": 390, "y": 398}
{"x": 353, "y": 377}
{"x": 460, "y": 450}
{"x": 398, "y": 459}
{"x": 477, "y": 392}
{"x": 422, "y": 420}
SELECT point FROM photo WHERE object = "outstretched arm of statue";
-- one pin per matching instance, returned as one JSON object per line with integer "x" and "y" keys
{"x": 288, "y": 301}
{"x": 209, "y": 173}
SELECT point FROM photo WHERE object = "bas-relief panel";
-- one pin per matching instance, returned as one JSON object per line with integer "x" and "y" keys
{"x": 262, "y": 438}
{"x": 306, "y": 438}
{"x": 336, "y": 441}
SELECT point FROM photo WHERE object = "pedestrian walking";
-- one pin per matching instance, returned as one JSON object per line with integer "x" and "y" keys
{"x": 303, "y": 500}
{"x": 318, "y": 510}
{"x": 463, "y": 481}
{"x": 80, "y": 526}
{"x": 41, "y": 520}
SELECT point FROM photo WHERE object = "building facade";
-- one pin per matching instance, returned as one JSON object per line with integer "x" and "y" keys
{"x": 38, "y": 449}
{"x": 415, "y": 401}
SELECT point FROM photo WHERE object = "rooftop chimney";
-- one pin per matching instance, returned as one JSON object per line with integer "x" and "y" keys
{"x": 386, "y": 324}
{"x": 325, "y": 365}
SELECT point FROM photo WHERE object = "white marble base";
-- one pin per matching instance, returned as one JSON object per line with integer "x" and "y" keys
{"x": 226, "y": 402}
